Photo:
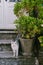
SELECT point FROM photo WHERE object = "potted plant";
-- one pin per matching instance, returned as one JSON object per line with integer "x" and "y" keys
{"x": 27, "y": 26}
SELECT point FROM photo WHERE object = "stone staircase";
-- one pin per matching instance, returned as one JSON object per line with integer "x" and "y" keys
{"x": 6, "y": 54}
{"x": 6, "y": 36}
{"x": 5, "y": 49}
{"x": 6, "y": 58}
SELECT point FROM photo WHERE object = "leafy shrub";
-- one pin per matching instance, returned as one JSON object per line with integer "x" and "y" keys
{"x": 28, "y": 26}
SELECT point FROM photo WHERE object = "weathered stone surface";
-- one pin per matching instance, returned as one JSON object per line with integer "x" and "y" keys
{"x": 5, "y": 43}
{"x": 5, "y": 47}
{"x": 26, "y": 46}
{"x": 7, "y": 36}
{"x": 19, "y": 61}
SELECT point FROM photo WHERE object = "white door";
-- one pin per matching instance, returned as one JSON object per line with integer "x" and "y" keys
{"x": 6, "y": 11}
{"x": 1, "y": 12}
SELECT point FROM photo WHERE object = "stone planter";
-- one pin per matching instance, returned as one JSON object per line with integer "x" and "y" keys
{"x": 26, "y": 46}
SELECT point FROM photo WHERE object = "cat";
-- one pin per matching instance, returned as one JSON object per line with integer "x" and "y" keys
{"x": 15, "y": 47}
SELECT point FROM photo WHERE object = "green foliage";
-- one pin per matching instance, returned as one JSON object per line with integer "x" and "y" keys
{"x": 28, "y": 25}
{"x": 40, "y": 12}
{"x": 17, "y": 7}
{"x": 28, "y": 4}
{"x": 20, "y": 5}
{"x": 41, "y": 40}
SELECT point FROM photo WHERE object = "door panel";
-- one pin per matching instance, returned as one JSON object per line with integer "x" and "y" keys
{"x": 9, "y": 16}
{"x": 1, "y": 12}
{"x": 6, "y": 12}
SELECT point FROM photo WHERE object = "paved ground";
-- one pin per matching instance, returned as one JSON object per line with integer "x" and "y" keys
{"x": 24, "y": 60}
{"x": 19, "y": 61}
{"x": 16, "y": 61}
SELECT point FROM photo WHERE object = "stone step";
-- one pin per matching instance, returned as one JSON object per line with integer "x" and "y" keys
{"x": 22, "y": 60}
{"x": 5, "y": 41}
{"x": 41, "y": 54}
{"x": 9, "y": 54}
{"x": 41, "y": 49}
{"x": 41, "y": 58}
{"x": 15, "y": 62}
{"x": 6, "y": 54}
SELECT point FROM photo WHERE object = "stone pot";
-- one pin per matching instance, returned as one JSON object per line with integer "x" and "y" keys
{"x": 26, "y": 46}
